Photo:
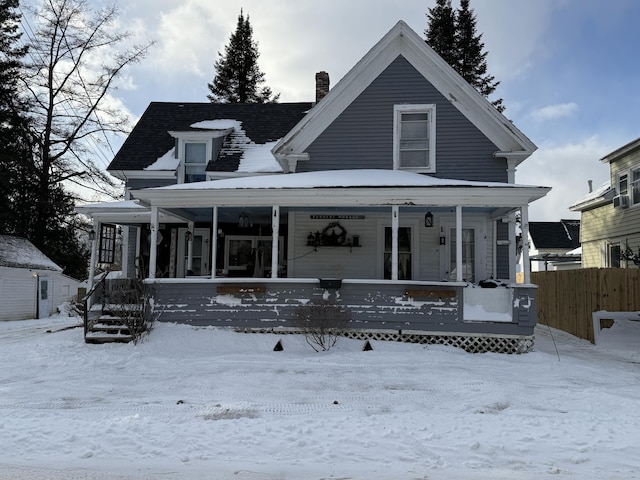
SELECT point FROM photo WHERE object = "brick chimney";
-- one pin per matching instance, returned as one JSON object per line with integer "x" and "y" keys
{"x": 322, "y": 85}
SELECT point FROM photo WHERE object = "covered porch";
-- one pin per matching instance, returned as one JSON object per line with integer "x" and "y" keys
{"x": 403, "y": 252}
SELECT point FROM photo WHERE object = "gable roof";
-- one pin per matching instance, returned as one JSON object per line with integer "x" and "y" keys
{"x": 150, "y": 138}
{"x": 622, "y": 151}
{"x": 564, "y": 234}
{"x": 401, "y": 40}
{"x": 17, "y": 252}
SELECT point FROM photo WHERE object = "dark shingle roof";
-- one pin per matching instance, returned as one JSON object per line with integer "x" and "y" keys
{"x": 150, "y": 139}
{"x": 564, "y": 234}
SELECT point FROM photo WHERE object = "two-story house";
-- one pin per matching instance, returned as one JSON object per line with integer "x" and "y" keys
{"x": 610, "y": 215}
{"x": 394, "y": 195}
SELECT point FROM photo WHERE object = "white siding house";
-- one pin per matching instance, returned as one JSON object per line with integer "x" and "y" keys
{"x": 31, "y": 285}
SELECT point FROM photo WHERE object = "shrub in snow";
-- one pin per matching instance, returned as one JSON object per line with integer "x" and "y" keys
{"x": 321, "y": 323}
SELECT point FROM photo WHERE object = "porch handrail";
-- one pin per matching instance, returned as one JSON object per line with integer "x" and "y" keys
{"x": 87, "y": 300}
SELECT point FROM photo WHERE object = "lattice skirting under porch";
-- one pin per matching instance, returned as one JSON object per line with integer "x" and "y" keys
{"x": 510, "y": 344}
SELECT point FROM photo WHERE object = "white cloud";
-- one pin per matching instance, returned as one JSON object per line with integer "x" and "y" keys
{"x": 551, "y": 112}
{"x": 566, "y": 168}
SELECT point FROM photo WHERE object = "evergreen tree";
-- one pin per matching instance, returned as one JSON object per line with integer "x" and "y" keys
{"x": 441, "y": 32}
{"x": 472, "y": 61}
{"x": 238, "y": 76}
{"x": 454, "y": 37}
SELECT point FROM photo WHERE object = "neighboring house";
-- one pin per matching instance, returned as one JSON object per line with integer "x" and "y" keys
{"x": 31, "y": 285}
{"x": 552, "y": 245}
{"x": 610, "y": 215}
{"x": 394, "y": 196}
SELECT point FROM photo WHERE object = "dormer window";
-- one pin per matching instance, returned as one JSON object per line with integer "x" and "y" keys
{"x": 195, "y": 162}
{"x": 414, "y": 138}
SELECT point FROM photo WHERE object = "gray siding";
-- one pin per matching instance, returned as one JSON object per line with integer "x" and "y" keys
{"x": 136, "y": 183}
{"x": 372, "y": 306}
{"x": 362, "y": 136}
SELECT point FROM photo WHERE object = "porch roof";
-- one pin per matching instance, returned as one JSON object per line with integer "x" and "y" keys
{"x": 363, "y": 187}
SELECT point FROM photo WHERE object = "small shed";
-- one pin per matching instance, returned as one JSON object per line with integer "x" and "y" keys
{"x": 31, "y": 284}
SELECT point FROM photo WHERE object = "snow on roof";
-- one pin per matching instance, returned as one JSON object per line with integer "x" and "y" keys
{"x": 166, "y": 162}
{"x": 259, "y": 159}
{"x": 19, "y": 252}
{"x": 594, "y": 195}
{"x": 218, "y": 124}
{"x": 125, "y": 205}
{"x": 336, "y": 178}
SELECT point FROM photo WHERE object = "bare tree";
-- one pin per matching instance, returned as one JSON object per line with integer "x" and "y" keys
{"x": 75, "y": 57}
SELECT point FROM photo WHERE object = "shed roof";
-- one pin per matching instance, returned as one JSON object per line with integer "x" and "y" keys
{"x": 17, "y": 252}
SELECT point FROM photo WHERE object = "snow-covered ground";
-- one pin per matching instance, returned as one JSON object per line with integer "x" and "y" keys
{"x": 205, "y": 403}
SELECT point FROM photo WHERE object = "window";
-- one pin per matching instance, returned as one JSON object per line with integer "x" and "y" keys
{"x": 468, "y": 255}
{"x": 613, "y": 255}
{"x": 623, "y": 184}
{"x": 404, "y": 253}
{"x": 195, "y": 162}
{"x": 635, "y": 186}
{"x": 414, "y": 137}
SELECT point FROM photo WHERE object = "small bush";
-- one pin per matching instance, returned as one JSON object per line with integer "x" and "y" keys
{"x": 321, "y": 323}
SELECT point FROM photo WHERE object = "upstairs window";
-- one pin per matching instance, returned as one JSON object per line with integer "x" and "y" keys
{"x": 635, "y": 186}
{"x": 623, "y": 184}
{"x": 195, "y": 162}
{"x": 414, "y": 137}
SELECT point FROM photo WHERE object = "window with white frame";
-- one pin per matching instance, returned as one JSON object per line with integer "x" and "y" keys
{"x": 613, "y": 255}
{"x": 623, "y": 184}
{"x": 414, "y": 137}
{"x": 195, "y": 161}
{"x": 635, "y": 186}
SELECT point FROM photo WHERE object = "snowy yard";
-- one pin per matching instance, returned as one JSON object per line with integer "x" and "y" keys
{"x": 204, "y": 403}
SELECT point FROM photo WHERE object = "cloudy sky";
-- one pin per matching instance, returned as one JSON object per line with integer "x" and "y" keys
{"x": 568, "y": 68}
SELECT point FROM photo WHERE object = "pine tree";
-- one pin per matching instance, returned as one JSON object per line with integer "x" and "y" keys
{"x": 238, "y": 76}
{"x": 454, "y": 37}
{"x": 441, "y": 32}
{"x": 472, "y": 61}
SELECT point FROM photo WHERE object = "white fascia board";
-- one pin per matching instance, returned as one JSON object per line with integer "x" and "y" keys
{"x": 200, "y": 134}
{"x": 402, "y": 40}
{"x": 332, "y": 196}
{"x": 621, "y": 152}
{"x": 143, "y": 174}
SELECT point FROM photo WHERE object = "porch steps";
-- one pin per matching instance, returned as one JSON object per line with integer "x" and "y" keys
{"x": 107, "y": 329}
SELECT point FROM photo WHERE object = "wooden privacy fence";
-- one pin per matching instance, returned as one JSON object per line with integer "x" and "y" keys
{"x": 567, "y": 299}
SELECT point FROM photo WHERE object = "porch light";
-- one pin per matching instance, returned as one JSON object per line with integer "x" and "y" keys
{"x": 92, "y": 235}
{"x": 243, "y": 220}
{"x": 188, "y": 235}
{"x": 443, "y": 239}
{"x": 428, "y": 220}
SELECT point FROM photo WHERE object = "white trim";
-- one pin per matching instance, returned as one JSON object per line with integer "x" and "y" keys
{"x": 398, "y": 111}
{"x": 401, "y": 40}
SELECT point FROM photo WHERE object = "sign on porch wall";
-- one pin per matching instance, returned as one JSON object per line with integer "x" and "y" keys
{"x": 337, "y": 217}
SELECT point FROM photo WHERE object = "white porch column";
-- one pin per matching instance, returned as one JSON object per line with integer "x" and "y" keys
{"x": 275, "y": 228}
{"x": 153, "y": 247}
{"x": 524, "y": 211}
{"x": 513, "y": 257}
{"x": 214, "y": 242}
{"x": 94, "y": 252}
{"x": 124, "y": 250}
{"x": 458, "y": 243}
{"x": 190, "y": 227}
{"x": 395, "y": 222}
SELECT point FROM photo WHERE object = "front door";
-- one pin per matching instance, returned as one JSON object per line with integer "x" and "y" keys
{"x": 405, "y": 254}
{"x": 43, "y": 297}
{"x": 200, "y": 253}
